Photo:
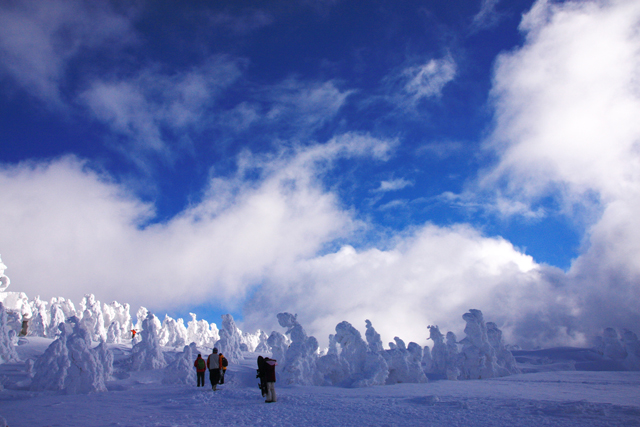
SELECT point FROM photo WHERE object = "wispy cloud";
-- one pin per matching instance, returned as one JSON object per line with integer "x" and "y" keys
{"x": 428, "y": 80}
{"x": 150, "y": 108}
{"x": 306, "y": 106}
{"x": 441, "y": 149}
{"x": 487, "y": 17}
{"x": 38, "y": 39}
{"x": 415, "y": 83}
{"x": 393, "y": 185}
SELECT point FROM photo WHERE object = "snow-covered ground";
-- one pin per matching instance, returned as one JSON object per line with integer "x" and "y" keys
{"x": 543, "y": 397}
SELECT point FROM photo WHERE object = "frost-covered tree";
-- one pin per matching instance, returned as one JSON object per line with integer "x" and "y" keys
{"x": 278, "y": 344}
{"x": 147, "y": 354}
{"x": 427, "y": 360}
{"x": 70, "y": 364}
{"x": 373, "y": 338}
{"x": 230, "y": 339}
{"x": 173, "y": 332}
{"x": 114, "y": 333}
{"x": 4, "y": 280}
{"x": 504, "y": 358}
{"x": 365, "y": 367}
{"x": 404, "y": 365}
{"x": 331, "y": 368}
{"x": 86, "y": 371}
{"x": 57, "y": 317}
{"x": 39, "y": 322}
{"x": 201, "y": 332}
{"x": 443, "y": 354}
{"x": 477, "y": 359}
{"x": 7, "y": 350}
{"x": 255, "y": 342}
{"x": 300, "y": 359}
{"x": 50, "y": 369}
{"x": 92, "y": 317}
{"x": 181, "y": 370}
{"x": 119, "y": 314}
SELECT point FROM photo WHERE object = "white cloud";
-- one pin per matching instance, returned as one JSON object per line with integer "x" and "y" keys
{"x": 393, "y": 185}
{"x": 428, "y": 80}
{"x": 430, "y": 276}
{"x": 567, "y": 107}
{"x": 487, "y": 17}
{"x": 151, "y": 107}
{"x": 304, "y": 106}
{"x": 38, "y": 39}
{"x": 67, "y": 230}
{"x": 567, "y": 102}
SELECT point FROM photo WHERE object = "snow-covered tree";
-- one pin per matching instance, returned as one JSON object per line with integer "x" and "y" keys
{"x": 86, "y": 372}
{"x": 119, "y": 314}
{"x": 201, "y": 332}
{"x": 443, "y": 354}
{"x": 504, "y": 358}
{"x": 300, "y": 358}
{"x": 278, "y": 344}
{"x": 57, "y": 316}
{"x": 7, "y": 350}
{"x": 373, "y": 338}
{"x": 70, "y": 364}
{"x": 4, "y": 280}
{"x": 365, "y": 367}
{"x": 147, "y": 354}
{"x": 255, "y": 342}
{"x": 39, "y": 323}
{"x": 477, "y": 359}
{"x": 404, "y": 365}
{"x": 92, "y": 317}
{"x": 173, "y": 333}
{"x": 181, "y": 370}
{"x": 230, "y": 339}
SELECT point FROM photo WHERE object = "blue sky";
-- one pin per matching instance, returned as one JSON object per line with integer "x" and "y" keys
{"x": 399, "y": 161}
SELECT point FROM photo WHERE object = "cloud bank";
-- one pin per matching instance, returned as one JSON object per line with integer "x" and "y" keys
{"x": 272, "y": 237}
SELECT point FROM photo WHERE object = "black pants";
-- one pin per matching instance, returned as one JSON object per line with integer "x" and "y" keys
{"x": 214, "y": 376}
{"x": 200, "y": 379}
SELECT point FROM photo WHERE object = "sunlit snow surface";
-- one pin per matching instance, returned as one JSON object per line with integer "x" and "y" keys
{"x": 551, "y": 398}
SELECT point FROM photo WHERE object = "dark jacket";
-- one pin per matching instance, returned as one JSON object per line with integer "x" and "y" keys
{"x": 270, "y": 370}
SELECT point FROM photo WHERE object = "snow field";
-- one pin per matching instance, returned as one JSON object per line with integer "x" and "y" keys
{"x": 138, "y": 398}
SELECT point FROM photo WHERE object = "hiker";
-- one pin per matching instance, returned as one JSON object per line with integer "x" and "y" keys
{"x": 213, "y": 364}
{"x": 270, "y": 378}
{"x": 201, "y": 367}
{"x": 223, "y": 367}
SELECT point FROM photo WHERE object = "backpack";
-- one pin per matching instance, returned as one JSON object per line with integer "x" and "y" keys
{"x": 201, "y": 364}
{"x": 224, "y": 362}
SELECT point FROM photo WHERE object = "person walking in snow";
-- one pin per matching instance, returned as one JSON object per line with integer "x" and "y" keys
{"x": 201, "y": 367}
{"x": 213, "y": 364}
{"x": 270, "y": 378}
{"x": 223, "y": 367}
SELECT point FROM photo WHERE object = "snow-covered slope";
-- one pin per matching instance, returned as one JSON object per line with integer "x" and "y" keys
{"x": 139, "y": 398}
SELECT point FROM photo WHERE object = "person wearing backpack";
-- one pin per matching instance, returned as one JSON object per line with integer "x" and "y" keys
{"x": 201, "y": 367}
{"x": 213, "y": 364}
{"x": 223, "y": 367}
{"x": 270, "y": 378}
